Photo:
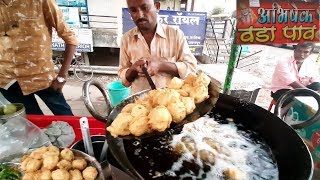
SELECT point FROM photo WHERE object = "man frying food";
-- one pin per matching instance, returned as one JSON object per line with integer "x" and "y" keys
{"x": 162, "y": 49}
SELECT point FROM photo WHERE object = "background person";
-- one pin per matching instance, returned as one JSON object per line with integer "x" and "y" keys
{"x": 26, "y": 66}
{"x": 161, "y": 48}
{"x": 297, "y": 71}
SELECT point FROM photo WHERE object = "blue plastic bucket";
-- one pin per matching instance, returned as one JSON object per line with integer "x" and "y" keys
{"x": 117, "y": 92}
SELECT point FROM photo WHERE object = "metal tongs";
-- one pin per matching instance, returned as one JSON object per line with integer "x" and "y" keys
{"x": 84, "y": 125}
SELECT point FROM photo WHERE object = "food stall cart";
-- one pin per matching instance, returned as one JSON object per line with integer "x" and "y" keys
{"x": 304, "y": 108}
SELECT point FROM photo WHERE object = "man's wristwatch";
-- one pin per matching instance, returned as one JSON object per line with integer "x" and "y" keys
{"x": 61, "y": 79}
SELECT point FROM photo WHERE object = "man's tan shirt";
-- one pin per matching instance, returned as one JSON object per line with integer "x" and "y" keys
{"x": 169, "y": 42}
{"x": 25, "y": 42}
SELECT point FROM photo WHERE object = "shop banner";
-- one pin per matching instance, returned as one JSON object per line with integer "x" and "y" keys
{"x": 71, "y": 16}
{"x": 84, "y": 37}
{"x": 73, "y": 3}
{"x": 277, "y": 22}
{"x": 193, "y": 24}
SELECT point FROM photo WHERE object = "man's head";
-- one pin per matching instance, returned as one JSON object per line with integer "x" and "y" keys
{"x": 302, "y": 51}
{"x": 144, "y": 13}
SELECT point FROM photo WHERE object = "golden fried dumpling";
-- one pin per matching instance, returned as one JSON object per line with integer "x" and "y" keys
{"x": 75, "y": 175}
{"x": 167, "y": 96}
{"x": 139, "y": 125}
{"x": 187, "y": 88}
{"x": 37, "y": 174}
{"x": 159, "y": 118}
{"x": 67, "y": 154}
{"x": 177, "y": 111}
{"x": 50, "y": 153}
{"x": 199, "y": 93}
{"x": 188, "y": 104}
{"x": 190, "y": 78}
{"x": 24, "y": 163}
{"x": 90, "y": 173}
{"x": 79, "y": 164}
{"x": 50, "y": 162}
{"x": 33, "y": 165}
{"x": 175, "y": 83}
{"x": 234, "y": 174}
{"x": 29, "y": 176}
{"x": 128, "y": 108}
{"x": 54, "y": 150}
{"x": 64, "y": 164}
{"x": 139, "y": 110}
{"x": 207, "y": 156}
{"x": 60, "y": 174}
{"x": 145, "y": 102}
{"x": 37, "y": 154}
{"x": 120, "y": 126}
{"x": 45, "y": 175}
{"x": 153, "y": 96}
{"x": 183, "y": 92}
{"x": 201, "y": 79}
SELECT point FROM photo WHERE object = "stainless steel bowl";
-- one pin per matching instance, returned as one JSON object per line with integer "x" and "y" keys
{"x": 91, "y": 162}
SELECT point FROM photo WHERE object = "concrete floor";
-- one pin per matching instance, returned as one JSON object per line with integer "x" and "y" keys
{"x": 73, "y": 94}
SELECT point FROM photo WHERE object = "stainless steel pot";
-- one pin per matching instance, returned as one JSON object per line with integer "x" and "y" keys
{"x": 21, "y": 111}
{"x": 299, "y": 92}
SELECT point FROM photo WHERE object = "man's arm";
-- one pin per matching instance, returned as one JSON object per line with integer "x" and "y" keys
{"x": 297, "y": 84}
{"x": 67, "y": 59}
{"x": 186, "y": 62}
{"x": 54, "y": 18}
{"x": 128, "y": 72}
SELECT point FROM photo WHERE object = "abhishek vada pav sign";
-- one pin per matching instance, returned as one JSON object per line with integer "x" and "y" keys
{"x": 277, "y": 22}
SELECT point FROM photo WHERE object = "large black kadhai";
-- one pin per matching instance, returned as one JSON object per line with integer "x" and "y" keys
{"x": 142, "y": 158}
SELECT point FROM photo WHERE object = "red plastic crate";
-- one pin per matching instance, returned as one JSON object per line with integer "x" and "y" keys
{"x": 96, "y": 127}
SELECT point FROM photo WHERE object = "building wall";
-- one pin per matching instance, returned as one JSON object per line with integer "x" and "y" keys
{"x": 108, "y": 31}
{"x": 109, "y": 34}
{"x": 208, "y": 5}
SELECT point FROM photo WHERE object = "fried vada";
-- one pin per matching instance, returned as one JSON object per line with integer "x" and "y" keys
{"x": 177, "y": 110}
{"x": 60, "y": 174}
{"x": 90, "y": 173}
{"x": 120, "y": 126}
{"x": 175, "y": 83}
{"x": 159, "y": 118}
{"x": 139, "y": 125}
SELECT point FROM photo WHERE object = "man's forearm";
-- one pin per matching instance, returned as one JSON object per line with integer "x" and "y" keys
{"x": 297, "y": 84}
{"x": 169, "y": 68}
{"x": 67, "y": 59}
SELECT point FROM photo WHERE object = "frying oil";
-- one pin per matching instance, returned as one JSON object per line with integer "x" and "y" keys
{"x": 229, "y": 148}
{"x": 180, "y": 153}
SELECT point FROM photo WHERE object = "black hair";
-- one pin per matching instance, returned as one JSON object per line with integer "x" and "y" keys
{"x": 304, "y": 45}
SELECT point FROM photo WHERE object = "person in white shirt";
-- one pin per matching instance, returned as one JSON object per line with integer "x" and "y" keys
{"x": 297, "y": 71}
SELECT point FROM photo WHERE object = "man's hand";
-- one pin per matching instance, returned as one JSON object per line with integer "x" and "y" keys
{"x": 135, "y": 70}
{"x": 57, "y": 86}
{"x": 161, "y": 65}
{"x": 154, "y": 66}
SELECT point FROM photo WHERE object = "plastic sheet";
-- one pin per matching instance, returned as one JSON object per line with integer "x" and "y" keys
{"x": 18, "y": 135}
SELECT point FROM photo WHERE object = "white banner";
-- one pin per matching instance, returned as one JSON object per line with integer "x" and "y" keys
{"x": 84, "y": 37}
{"x": 71, "y": 16}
